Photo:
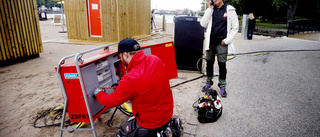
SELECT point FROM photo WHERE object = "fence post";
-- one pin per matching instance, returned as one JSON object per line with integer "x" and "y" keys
{"x": 294, "y": 27}
{"x": 164, "y": 22}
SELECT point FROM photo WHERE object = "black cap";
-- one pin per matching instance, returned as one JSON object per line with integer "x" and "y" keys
{"x": 127, "y": 45}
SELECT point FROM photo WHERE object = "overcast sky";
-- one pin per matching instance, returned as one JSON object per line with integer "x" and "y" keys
{"x": 176, "y": 4}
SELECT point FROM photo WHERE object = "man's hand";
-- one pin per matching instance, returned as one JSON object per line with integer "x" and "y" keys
{"x": 222, "y": 43}
{"x": 210, "y": 4}
{"x": 96, "y": 91}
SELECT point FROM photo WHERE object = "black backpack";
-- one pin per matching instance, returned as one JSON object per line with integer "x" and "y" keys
{"x": 209, "y": 107}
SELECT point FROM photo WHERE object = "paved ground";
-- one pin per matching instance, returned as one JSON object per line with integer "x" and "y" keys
{"x": 275, "y": 94}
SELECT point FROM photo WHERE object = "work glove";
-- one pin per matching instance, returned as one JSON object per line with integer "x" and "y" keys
{"x": 96, "y": 91}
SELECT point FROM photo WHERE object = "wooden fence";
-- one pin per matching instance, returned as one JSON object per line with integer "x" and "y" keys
{"x": 19, "y": 30}
{"x": 119, "y": 19}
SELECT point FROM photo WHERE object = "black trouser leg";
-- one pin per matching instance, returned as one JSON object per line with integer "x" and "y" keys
{"x": 209, "y": 68}
{"x": 222, "y": 70}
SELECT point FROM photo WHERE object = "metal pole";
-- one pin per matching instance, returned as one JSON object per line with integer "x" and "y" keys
{"x": 77, "y": 58}
{"x": 244, "y": 30}
{"x": 63, "y": 91}
{"x": 62, "y": 17}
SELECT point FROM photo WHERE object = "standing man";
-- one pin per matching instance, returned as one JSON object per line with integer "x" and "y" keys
{"x": 222, "y": 25}
{"x": 152, "y": 20}
{"x": 147, "y": 87}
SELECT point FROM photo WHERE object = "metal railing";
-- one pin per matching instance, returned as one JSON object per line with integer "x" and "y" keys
{"x": 303, "y": 26}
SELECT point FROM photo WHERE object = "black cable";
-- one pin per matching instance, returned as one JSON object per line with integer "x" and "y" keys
{"x": 58, "y": 115}
{"x": 110, "y": 121}
{"x": 276, "y": 51}
{"x": 43, "y": 115}
{"x": 130, "y": 114}
{"x": 197, "y": 101}
{"x": 107, "y": 111}
{"x": 198, "y": 65}
{"x": 124, "y": 111}
{"x": 187, "y": 81}
{"x": 268, "y": 51}
{"x": 234, "y": 55}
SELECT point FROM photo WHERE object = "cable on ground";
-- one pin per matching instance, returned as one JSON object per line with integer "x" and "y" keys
{"x": 232, "y": 56}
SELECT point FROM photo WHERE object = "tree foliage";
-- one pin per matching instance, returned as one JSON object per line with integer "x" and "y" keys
{"x": 40, "y": 3}
{"x": 277, "y": 10}
{"x": 47, "y": 3}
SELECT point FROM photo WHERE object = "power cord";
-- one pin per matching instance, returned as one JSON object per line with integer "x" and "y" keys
{"x": 57, "y": 116}
{"x": 232, "y": 56}
{"x": 123, "y": 110}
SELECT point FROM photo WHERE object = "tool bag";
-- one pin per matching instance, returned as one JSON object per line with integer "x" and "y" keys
{"x": 209, "y": 107}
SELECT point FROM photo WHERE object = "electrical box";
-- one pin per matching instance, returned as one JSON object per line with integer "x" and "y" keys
{"x": 166, "y": 52}
{"x": 102, "y": 70}
{"x": 99, "y": 70}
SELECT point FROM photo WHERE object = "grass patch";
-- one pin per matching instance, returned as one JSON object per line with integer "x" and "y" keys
{"x": 269, "y": 25}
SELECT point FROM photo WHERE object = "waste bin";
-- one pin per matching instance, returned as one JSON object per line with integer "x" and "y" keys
{"x": 188, "y": 42}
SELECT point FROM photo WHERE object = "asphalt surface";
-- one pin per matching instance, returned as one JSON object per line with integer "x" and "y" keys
{"x": 272, "y": 94}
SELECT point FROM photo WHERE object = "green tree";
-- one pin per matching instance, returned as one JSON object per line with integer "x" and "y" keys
{"x": 292, "y": 8}
{"x": 275, "y": 10}
{"x": 185, "y": 11}
{"x": 204, "y": 5}
{"x": 309, "y": 9}
{"x": 47, "y": 3}
{"x": 40, "y": 3}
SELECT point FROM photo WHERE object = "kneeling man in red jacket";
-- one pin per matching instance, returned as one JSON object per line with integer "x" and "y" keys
{"x": 147, "y": 87}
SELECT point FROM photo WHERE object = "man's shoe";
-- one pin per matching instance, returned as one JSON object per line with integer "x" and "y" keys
{"x": 223, "y": 92}
{"x": 205, "y": 88}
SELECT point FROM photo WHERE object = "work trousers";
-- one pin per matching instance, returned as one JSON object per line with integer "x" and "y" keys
{"x": 131, "y": 128}
{"x": 221, "y": 51}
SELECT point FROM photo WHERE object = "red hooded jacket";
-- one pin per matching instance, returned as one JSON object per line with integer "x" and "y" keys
{"x": 147, "y": 87}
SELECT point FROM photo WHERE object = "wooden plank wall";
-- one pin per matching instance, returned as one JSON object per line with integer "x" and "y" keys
{"x": 120, "y": 19}
{"x": 76, "y": 19}
{"x": 109, "y": 20}
{"x": 19, "y": 29}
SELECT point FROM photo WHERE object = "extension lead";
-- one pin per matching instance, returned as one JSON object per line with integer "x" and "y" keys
{"x": 232, "y": 56}
{"x": 268, "y": 51}
{"x": 59, "y": 109}
{"x": 57, "y": 112}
